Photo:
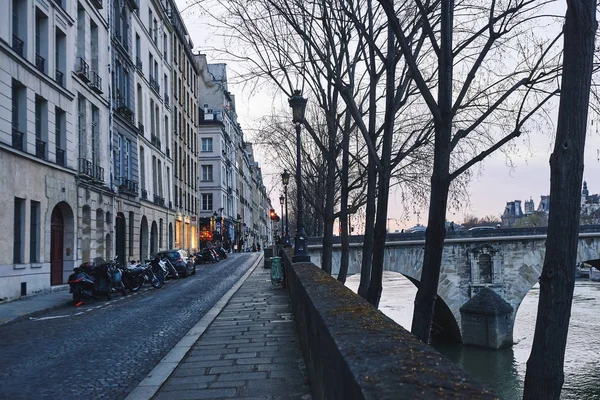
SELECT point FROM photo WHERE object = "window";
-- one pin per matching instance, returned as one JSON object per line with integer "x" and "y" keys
{"x": 207, "y": 172}
{"x": 142, "y": 169}
{"x": 34, "y": 233}
{"x": 81, "y": 121}
{"x": 207, "y": 144}
{"x": 19, "y": 231}
{"x": 485, "y": 268}
{"x": 207, "y": 201}
{"x": 60, "y": 51}
{"x": 41, "y": 40}
{"x": 95, "y": 135}
{"x": 19, "y": 28}
{"x": 60, "y": 134}
{"x": 94, "y": 47}
{"x": 41, "y": 126}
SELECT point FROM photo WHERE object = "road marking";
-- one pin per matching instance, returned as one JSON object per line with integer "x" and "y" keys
{"x": 45, "y": 318}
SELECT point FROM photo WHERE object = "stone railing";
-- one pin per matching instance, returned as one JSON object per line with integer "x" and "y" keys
{"x": 353, "y": 351}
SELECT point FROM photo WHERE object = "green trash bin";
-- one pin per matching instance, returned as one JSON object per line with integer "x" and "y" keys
{"x": 276, "y": 272}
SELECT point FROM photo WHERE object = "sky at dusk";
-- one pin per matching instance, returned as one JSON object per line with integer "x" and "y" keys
{"x": 490, "y": 189}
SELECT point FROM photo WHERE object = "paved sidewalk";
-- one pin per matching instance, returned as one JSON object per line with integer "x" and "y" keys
{"x": 31, "y": 305}
{"x": 251, "y": 350}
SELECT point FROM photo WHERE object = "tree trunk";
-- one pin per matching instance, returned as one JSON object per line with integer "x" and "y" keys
{"x": 436, "y": 224}
{"x": 344, "y": 203}
{"x": 545, "y": 374}
{"x": 376, "y": 285}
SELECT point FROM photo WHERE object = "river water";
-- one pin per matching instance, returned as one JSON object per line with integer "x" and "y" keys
{"x": 503, "y": 370}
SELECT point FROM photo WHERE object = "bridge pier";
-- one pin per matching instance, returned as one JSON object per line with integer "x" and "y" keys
{"x": 487, "y": 320}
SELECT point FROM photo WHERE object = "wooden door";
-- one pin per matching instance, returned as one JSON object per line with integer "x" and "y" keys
{"x": 57, "y": 231}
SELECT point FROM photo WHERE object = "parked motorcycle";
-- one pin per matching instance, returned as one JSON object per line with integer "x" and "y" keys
{"x": 206, "y": 256}
{"x": 95, "y": 280}
{"x": 163, "y": 269}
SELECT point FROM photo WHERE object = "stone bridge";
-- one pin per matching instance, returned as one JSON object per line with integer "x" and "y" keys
{"x": 507, "y": 261}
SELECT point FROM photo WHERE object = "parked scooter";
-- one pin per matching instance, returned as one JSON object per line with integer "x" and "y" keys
{"x": 134, "y": 276}
{"x": 163, "y": 269}
{"x": 94, "y": 280}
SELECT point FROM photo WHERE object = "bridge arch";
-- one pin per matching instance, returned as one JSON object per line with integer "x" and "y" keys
{"x": 509, "y": 262}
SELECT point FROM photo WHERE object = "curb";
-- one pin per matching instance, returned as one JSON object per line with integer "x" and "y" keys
{"x": 159, "y": 374}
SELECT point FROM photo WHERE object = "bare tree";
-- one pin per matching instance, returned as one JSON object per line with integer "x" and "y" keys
{"x": 545, "y": 374}
{"x": 471, "y": 122}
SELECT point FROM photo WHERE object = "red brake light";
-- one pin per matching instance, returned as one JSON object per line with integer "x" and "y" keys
{"x": 78, "y": 304}
{"x": 76, "y": 280}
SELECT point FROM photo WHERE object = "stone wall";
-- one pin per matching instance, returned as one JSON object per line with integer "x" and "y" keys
{"x": 353, "y": 351}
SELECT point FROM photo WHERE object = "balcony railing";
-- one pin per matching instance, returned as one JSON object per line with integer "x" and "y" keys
{"x": 60, "y": 156}
{"x": 97, "y": 3}
{"x": 144, "y": 194}
{"x": 40, "y": 63}
{"x": 170, "y": 204}
{"x": 96, "y": 82}
{"x": 154, "y": 85}
{"x": 90, "y": 170}
{"x": 168, "y": 152}
{"x": 17, "y": 139}
{"x": 82, "y": 69}
{"x": 155, "y": 140}
{"x": 17, "y": 45}
{"x": 166, "y": 97}
{"x": 159, "y": 201}
{"x": 40, "y": 149}
{"x": 141, "y": 128}
{"x": 139, "y": 65}
{"x": 128, "y": 186}
{"x": 123, "y": 109}
{"x": 59, "y": 77}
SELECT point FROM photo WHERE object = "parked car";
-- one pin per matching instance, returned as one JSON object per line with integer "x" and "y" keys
{"x": 179, "y": 258}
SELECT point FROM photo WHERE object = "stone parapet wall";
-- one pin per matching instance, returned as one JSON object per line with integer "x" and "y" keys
{"x": 353, "y": 351}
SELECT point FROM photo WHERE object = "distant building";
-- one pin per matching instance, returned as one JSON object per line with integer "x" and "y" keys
{"x": 544, "y": 206}
{"x": 512, "y": 212}
{"x": 529, "y": 206}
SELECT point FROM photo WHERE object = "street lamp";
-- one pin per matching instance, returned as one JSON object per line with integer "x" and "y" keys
{"x": 298, "y": 105}
{"x": 239, "y": 231}
{"x": 285, "y": 178}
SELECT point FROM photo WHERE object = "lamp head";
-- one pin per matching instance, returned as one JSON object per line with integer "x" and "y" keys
{"x": 285, "y": 177}
{"x": 281, "y": 199}
{"x": 298, "y": 104}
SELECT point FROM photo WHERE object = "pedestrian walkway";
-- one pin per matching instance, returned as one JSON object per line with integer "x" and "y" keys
{"x": 250, "y": 350}
{"x": 31, "y": 305}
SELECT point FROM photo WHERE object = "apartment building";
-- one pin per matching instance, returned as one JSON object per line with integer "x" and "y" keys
{"x": 184, "y": 108}
{"x": 151, "y": 30}
{"x": 219, "y": 133}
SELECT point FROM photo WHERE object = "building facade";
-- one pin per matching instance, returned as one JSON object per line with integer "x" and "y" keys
{"x": 100, "y": 145}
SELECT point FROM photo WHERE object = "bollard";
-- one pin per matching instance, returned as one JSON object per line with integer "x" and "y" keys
{"x": 276, "y": 272}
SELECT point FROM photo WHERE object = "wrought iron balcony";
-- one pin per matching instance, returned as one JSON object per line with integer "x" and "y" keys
{"x": 159, "y": 201}
{"x": 154, "y": 85}
{"x": 144, "y": 194}
{"x": 89, "y": 170}
{"x": 40, "y": 63}
{"x": 17, "y": 139}
{"x": 123, "y": 109}
{"x": 166, "y": 97}
{"x": 82, "y": 69}
{"x": 60, "y": 156}
{"x": 168, "y": 152}
{"x": 97, "y": 3}
{"x": 40, "y": 149}
{"x": 141, "y": 128}
{"x": 170, "y": 204}
{"x": 128, "y": 186}
{"x": 155, "y": 140}
{"x": 17, "y": 45}
{"x": 139, "y": 65}
{"x": 59, "y": 77}
{"x": 96, "y": 82}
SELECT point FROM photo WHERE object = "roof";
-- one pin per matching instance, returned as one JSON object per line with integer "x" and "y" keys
{"x": 487, "y": 302}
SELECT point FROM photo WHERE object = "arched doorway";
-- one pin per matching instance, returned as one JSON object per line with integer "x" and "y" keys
{"x": 120, "y": 238}
{"x": 57, "y": 234}
{"x": 153, "y": 239}
{"x": 144, "y": 239}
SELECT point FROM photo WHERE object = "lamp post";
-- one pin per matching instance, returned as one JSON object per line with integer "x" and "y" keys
{"x": 285, "y": 178}
{"x": 298, "y": 105}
